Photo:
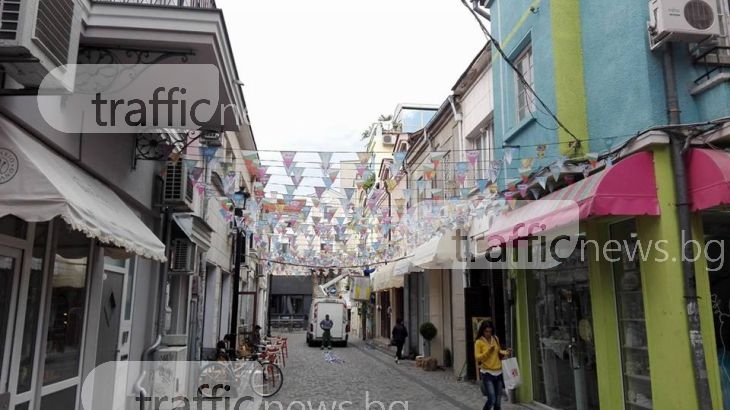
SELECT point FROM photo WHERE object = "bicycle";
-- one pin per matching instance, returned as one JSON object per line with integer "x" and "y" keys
{"x": 221, "y": 378}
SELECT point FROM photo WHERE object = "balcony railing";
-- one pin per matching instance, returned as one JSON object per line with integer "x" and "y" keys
{"x": 199, "y": 4}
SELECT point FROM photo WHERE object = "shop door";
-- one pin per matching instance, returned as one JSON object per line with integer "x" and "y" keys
{"x": 561, "y": 321}
{"x": 111, "y": 312}
{"x": 10, "y": 261}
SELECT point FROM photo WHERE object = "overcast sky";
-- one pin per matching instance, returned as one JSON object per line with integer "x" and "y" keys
{"x": 318, "y": 72}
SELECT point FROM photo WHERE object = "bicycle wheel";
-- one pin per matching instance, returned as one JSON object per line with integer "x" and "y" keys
{"x": 266, "y": 379}
{"x": 216, "y": 380}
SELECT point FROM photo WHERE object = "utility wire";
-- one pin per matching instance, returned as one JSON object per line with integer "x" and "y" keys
{"x": 519, "y": 74}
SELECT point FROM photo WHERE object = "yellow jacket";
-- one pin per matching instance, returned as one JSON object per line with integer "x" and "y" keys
{"x": 488, "y": 354}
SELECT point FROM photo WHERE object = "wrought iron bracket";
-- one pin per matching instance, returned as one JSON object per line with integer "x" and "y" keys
{"x": 156, "y": 144}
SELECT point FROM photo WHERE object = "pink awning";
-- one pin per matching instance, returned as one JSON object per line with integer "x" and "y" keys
{"x": 708, "y": 178}
{"x": 628, "y": 188}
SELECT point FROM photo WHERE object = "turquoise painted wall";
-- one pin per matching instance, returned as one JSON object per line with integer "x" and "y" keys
{"x": 514, "y": 26}
{"x": 624, "y": 78}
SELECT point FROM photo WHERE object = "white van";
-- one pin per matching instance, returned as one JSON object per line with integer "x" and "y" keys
{"x": 337, "y": 310}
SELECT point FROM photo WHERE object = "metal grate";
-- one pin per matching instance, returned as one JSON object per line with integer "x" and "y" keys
{"x": 699, "y": 14}
{"x": 175, "y": 182}
{"x": 53, "y": 27}
{"x": 198, "y": 4}
{"x": 9, "y": 16}
{"x": 181, "y": 255}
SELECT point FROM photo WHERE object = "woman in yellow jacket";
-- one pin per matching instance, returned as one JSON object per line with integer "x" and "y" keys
{"x": 489, "y": 353}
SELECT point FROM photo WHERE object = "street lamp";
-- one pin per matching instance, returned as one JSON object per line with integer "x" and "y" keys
{"x": 239, "y": 199}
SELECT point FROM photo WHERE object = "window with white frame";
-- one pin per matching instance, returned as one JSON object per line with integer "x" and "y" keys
{"x": 525, "y": 102}
{"x": 483, "y": 143}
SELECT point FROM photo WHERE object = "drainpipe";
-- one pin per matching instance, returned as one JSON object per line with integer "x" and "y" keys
{"x": 161, "y": 293}
{"x": 677, "y": 142}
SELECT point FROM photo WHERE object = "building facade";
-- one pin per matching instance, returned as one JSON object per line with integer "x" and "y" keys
{"x": 112, "y": 250}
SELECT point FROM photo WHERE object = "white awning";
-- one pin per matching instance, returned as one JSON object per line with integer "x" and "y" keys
{"x": 439, "y": 252}
{"x": 38, "y": 185}
{"x": 384, "y": 279}
{"x": 405, "y": 266}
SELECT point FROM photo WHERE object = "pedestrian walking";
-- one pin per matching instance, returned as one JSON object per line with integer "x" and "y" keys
{"x": 326, "y": 326}
{"x": 488, "y": 353}
{"x": 399, "y": 335}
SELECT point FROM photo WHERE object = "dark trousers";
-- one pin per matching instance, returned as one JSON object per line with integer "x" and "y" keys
{"x": 493, "y": 387}
{"x": 399, "y": 349}
{"x": 326, "y": 339}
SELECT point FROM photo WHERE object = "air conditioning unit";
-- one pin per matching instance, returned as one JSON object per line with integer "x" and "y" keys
{"x": 182, "y": 256}
{"x": 388, "y": 139}
{"x": 178, "y": 188}
{"x": 38, "y": 37}
{"x": 682, "y": 21}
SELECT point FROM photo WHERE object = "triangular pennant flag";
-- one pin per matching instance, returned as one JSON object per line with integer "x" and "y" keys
{"x": 406, "y": 193}
{"x": 542, "y": 180}
{"x": 399, "y": 156}
{"x": 609, "y": 162}
{"x": 344, "y": 203}
{"x": 555, "y": 171}
{"x": 327, "y": 182}
{"x": 593, "y": 159}
{"x": 541, "y": 149}
{"x": 360, "y": 169}
{"x": 364, "y": 157}
{"x": 522, "y": 188}
{"x": 436, "y": 158}
{"x": 482, "y": 184}
{"x": 290, "y": 188}
{"x": 473, "y": 157}
{"x": 265, "y": 180}
{"x": 196, "y": 173}
{"x": 333, "y": 174}
{"x": 208, "y": 152}
{"x": 509, "y": 153}
{"x": 288, "y": 157}
{"x": 349, "y": 192}
{"x": 190, "y": 163}
{"x": 261, "y": 171}
{"x": 325, "y": 157}
{"x": 391, "y": 184}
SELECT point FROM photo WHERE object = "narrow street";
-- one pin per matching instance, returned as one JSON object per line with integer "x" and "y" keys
{"x": 366, "y": 375}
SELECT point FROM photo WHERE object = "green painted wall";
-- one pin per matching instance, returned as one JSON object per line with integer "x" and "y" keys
{"x": 664, "y": 304}
{"x": 570, "y": 93}
{"x": 605, "y": 320}
{"x": 524, "y": 392}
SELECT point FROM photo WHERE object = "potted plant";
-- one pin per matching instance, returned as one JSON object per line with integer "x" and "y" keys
{"x": 428, "y": 331}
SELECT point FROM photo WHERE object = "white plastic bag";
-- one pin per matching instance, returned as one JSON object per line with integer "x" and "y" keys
{"x": 511, "y": 373}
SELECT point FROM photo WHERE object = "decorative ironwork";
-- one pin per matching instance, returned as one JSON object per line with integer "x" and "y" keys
{"x": 110, "y": 69}
{"x": 158, "y": 144}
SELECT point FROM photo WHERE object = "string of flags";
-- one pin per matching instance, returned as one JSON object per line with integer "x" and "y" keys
{"x": 332, "y": 226}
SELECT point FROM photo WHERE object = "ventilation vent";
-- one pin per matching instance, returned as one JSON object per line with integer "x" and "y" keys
{"x": 53, "y": 27}
{"x": 699, "y": 14}
{"x": 182, "y": 259}
{"x": 9, "y": 19}
{"x": 178, "y": 187}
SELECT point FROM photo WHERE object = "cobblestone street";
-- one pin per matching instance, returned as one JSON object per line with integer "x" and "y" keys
{"x": 366, "y": 376}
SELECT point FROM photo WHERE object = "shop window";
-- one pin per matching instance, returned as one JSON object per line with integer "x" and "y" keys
{"x": 68, "y": 302}
{"x": 631, "y": 319}
{"x": 717, "y": 246}
{"x": 32, "y": 312}
{"x": 560, "y": 317}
